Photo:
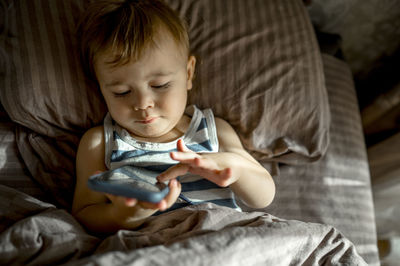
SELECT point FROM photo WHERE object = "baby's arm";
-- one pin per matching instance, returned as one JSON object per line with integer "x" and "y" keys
{"x": 233, "y": 166}
{"x": 107, "y": 213}
{"x": 254, "y": 185}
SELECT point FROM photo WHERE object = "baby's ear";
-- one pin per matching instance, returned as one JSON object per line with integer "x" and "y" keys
{"x": 191, "y": 66}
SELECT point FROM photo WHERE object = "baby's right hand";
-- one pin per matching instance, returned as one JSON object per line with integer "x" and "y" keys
{"x": 124, "y": 204}
{"x": 174, "y": 191}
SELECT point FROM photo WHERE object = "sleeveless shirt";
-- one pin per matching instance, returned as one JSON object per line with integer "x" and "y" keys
{"x": 151, "y": 159}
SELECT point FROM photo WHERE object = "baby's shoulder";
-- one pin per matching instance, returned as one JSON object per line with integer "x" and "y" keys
{"x": 93, "y": 137}
{"x": 222, "y": 125}
{"x": 227, "y": 136}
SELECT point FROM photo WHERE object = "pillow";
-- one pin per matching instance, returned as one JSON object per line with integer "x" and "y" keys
{"x": 258, "y": 67}
{"x": 13, "y": 172}
{"x": 43, "y": 89}
{"x": 261, "y": 70}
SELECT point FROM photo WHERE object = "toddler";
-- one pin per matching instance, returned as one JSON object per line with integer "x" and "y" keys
{"x": 137, "y": 53}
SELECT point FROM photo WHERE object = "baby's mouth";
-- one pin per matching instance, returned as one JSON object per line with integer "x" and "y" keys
{"x": 147, "y": 120}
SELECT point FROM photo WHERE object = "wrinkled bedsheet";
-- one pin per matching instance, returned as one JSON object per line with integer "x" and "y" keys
{"x": 34, "y": 232}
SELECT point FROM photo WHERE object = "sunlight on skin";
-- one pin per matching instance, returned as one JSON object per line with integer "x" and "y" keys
{"x": 196, "y": 164}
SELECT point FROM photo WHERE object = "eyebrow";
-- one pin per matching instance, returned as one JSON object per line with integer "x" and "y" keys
{"x": 155, "y": 74}
{"x": 160, "y": 74}
{"x": 113, "y": 83}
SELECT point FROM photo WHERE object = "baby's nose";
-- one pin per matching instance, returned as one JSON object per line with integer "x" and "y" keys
{"x": 143, "y": 101}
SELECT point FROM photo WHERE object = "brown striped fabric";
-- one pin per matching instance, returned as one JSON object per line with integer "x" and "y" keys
{"x": 13, "y": 172}
{"x": 260, "y": 69}
{"x": 44, "y": 89}
{"x": 336, "y": 190}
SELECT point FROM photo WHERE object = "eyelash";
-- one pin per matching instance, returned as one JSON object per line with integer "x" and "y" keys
{"x": 164, "y": 86}
{"x": 122, "y": 94}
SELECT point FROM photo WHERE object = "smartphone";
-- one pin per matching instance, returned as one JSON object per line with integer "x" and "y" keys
{"x": 131, "y": 182}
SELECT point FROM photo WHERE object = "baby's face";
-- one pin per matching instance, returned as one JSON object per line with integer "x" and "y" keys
{"x": 148, "y": 96}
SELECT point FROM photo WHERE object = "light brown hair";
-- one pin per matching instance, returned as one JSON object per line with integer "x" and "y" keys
{"x": 127, "y": 27}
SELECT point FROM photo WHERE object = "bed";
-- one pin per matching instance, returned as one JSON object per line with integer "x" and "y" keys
{"x": 261, "y": 68}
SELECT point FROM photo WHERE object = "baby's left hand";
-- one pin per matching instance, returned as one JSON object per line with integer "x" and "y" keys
{"x": 199, "y": 164}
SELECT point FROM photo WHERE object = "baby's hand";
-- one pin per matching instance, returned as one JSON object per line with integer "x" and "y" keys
{"x": 203, "y": 165}
{"x": 131, "y": 213}
{"x": 126, "y": 203}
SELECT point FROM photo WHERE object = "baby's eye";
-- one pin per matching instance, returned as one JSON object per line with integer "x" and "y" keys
{"x": 121, "y": 94}
{"x": 162, "y": 86}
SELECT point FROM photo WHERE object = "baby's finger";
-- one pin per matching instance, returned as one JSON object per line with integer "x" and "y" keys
{"x": 184, "y": 157}
{"x": 227, "y": 173}
{"x": 173, "y": 172}
{"x": 153, "y": 206}
{"x": 225, "y": 177}
{"x": 222, "y": 178}
{"x": 169, "y": 200}
{"x": 181, "y": 146}
{"x": 130, "y": 202}
{"x": 222, "y": 181}
{"x": 205, "y": 163}
{"x": 174, "y": 192}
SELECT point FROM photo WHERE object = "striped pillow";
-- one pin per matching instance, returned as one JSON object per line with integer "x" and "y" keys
{"x": 261, "y": 70}
{"x": 258, "y": 67}
{"x": 13, "y": 172}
